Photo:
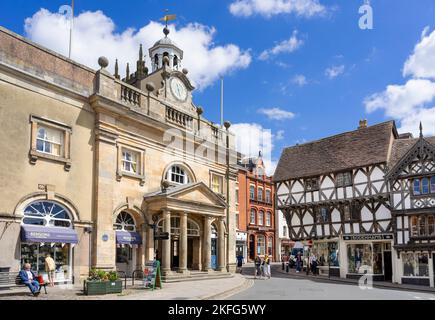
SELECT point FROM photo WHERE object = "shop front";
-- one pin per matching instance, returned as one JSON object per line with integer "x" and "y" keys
{"x": 241, "y": 248}
{"x": 47, "y": 229}
{"x": 286, "y": 248}
{"x": 328, "y": 257}
{"x": 369, "y": 254}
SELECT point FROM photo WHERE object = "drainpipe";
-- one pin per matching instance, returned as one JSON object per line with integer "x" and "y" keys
{"x": 227, "y": 125}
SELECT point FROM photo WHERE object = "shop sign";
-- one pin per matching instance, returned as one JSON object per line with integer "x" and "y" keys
{"x": 368, "y": 237}
{"x": 240, "y": 236}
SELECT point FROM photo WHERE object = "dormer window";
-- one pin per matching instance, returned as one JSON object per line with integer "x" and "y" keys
{"x": 312, "y": 184}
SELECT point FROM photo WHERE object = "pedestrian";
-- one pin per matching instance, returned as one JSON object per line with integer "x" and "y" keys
{"x": 50, "y": 267}
{"x": 257, "y": 263}
{"x": 307, "y": 264}
{"x": 267, "y": 266}
{"x": 298, "y": 262}
{"x": 28, "y": 277}
{"x": 313, "y": 263}
{"x": 282, "y": 262}
{"x": 287, "y": 267}
{"x": 239, "y": 263}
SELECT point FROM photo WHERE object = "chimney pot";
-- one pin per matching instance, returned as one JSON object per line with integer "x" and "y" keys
{"x": 362, "y": 124}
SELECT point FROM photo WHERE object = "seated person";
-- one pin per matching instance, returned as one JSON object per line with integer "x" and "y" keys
{"x": 30, "y": 280}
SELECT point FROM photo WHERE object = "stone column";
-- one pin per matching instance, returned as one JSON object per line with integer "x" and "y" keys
{"x": 166, "y": 244}
{"x": 206, "y": 241}
{"x": 221, "y": 245}
{"x": 183, "y": 243}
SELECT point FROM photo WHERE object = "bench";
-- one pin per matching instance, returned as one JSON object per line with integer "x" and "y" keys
{"x": 12, "y": 279}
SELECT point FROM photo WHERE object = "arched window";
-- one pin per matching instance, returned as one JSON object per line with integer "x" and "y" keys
{"x": 425, "y": 186}
{"x": 192, "y": 228}
{"x": 252, "y": 220}
{"x": 124, "y": 222}
{"x": 260, "y": 245}
{"x": 48, "y": 214}
{"x": 156, "y": 60}
{"x": 176, "y": 174}
{"x": 175, "y": 61}
{"x": 268, "y": 219}
{"x": 165, "y": 54}
{"x": 260, "y": 218}
{"x": 214, "y": 233}
{"x": 252, "y": 192}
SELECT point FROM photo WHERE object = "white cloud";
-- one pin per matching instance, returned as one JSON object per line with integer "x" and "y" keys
{"x": 286, "y": 46}
{"x": 300, "y": 80}
{"x": 413, "y": 101}
{"x": 276, "y": 113}
{"x": 279, "y": 135}
{"x": 94, "y": 35}
{"x": 334, "y": 71}
{"x": 268, "y": 8}
{"x": 421, "y": 64}
{"x": 252, "y": 138}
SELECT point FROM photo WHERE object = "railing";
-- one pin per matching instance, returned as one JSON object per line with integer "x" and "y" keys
{"x": 130, "y": 96}
{"x": 179, "y": 118}
{"x": 122, "y": 274}
{"x": 135, "y": 275}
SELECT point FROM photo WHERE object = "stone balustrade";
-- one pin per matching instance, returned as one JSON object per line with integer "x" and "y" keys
{"x": 179, "y": 118}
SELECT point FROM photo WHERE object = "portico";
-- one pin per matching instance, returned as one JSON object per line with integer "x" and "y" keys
{"x": 194, "y": 217}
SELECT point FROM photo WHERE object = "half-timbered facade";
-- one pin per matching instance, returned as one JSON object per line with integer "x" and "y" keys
{"x": 352, "y": 196}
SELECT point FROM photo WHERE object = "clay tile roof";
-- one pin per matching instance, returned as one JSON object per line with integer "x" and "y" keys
{"x": 361, "y": 147}
{"x": 401, "y": 147}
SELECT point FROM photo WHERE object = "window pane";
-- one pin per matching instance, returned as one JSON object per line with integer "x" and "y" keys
{"x": 431, "y": 225}
{"x": 425, "y": 186}
{"x": 260, "y": 217}
{"x": 252, "y": 192}
{"x": 432, "y": 185}
{"x": 41, "y": 133}
{"x": 40, "y": 145}
{"x": 414, "y": 226}
{"x": 417, "y": 186}
{"x": 422, "y": 226}
{"x": 252, "y": 216}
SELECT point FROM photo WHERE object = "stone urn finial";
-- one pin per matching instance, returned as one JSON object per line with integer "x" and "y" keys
{"x": 103, "y": 62}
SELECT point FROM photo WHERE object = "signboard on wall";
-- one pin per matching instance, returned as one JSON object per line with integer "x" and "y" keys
{"x": 368, "y": 237}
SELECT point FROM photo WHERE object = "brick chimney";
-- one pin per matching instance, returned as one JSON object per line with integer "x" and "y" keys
{"x": 362, "y": 124}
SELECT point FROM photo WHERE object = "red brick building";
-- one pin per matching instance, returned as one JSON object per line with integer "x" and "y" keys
{"x": 255, "y": 218}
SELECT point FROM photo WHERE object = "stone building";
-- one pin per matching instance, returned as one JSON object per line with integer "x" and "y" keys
{"x": 256, "y": 213}
{"x": 363, "y": 201}
{"x": 93, "y": 164}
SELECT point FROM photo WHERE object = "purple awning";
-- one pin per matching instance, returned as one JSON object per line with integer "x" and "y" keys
{"x": 31, "y": 233}
{"x": 125, "y": 237}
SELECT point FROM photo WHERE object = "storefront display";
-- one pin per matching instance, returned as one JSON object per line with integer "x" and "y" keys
{"x": 415, "y": 264}
{"x": 35, "y": 255}
{"x": 365, "y": 258}
{"x": 327, "y": 253}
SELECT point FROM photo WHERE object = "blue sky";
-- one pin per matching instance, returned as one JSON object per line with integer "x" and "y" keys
{"x": 315, "y": 106}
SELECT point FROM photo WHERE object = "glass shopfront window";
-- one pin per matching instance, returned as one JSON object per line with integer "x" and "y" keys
{"x": 415, "y": 264}
{"x": 35, "y": 255}
{"x": 365, "y": 257}
{"x": 327, "y": 253}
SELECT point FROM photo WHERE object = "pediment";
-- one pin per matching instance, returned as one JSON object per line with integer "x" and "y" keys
{"x": 199, "y": 193}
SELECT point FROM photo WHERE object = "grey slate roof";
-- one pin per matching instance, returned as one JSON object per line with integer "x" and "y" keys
{"x": 401, "y": 147}
{"x": 347, "y": 150}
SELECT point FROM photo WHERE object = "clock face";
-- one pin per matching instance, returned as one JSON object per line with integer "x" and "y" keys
{"x": 178, "y": 89}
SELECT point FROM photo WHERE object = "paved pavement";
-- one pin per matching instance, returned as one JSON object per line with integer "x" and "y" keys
{"x": 285, "y": 287}
{"x": 191, "y": 290}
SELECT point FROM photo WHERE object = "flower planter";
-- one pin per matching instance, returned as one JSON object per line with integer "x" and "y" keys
{"x": 95, "y": 288}
{"x": 114, "y": 286}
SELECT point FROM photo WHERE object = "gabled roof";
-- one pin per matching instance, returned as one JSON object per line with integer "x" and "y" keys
{"x": 361, "y": 147}
{"x": 405, "y": 151}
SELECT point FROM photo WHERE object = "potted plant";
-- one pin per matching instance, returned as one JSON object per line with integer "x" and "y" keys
{"x": 101, "y": 282}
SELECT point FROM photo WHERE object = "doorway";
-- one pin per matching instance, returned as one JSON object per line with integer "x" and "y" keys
{"x": 251, "y": 247}
{"x": 125, "y": 259}
{"x": 388, "y": 266}
{"x": 175, "y": 256}
{"x": 214, "y": 253}
{"x": 190, "y": 253}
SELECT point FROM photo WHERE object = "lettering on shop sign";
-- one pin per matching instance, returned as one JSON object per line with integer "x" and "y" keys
{"x": 369, "y": 237}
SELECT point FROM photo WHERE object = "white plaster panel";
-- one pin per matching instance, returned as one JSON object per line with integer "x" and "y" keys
{"x": 298, "y": 197}
{"x": 407, "y": 203}
{"x": 295, "y": 220}
{"x": 340, "y": 193}
{"x": 366, "y": 215}
{"x": 327, "y": 231}
{"x": 328, "y": 193}
{"x": 397, "y": 198}
{"x": 399, "y": 238}
{"x": 283, "y": 189}
{"x": 361, "y": 188}
{"x": 335, "y": 216}
{"x": 377, "y": 185}
{"x": 377, "y": 174}
{"x": 383, "y": 213}
{"x": 360, "y": 177}
{"x": 319, "y": 230}
{"x": 336, "y": 227}
{"x": 347, "y": 228}
{"x": 316, "y": 196}
{"x": 384, "y": 224}
{"x": 406, "y": 236}
{"x": 356, "y": 228}
{"x": 327, "y": 183}
{"x": 406, "y": 223}
{"x": 296, "y": 229}
{"x": 308, "y": 229}
{"x": 308, "y": 197}
{"x": 367, "y": 225}
{"x": 308, "y": 219}
{"x": 283, "y": 199}
{"x": 297, "y": 187}
{"x": 399, "y": 222}
{"x": 349, "y": 192}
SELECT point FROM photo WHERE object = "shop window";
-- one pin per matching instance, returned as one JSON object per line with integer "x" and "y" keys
{"x": 327, "y": 253}
{"x": 124, "y": 222}
{"x": 260, "y": 218}
{"x": 415, "y": 264}
{"x": 322, "y": 215}
{"x": 124, "y": 254}
{"x": 252, "y": 192}
{"x": 425, "y": 186}
{"x": 261, "y": 245}
{"x": 364, "y": 258}
{"x": 252, "y": 220}
{"x": 343, "y": 179}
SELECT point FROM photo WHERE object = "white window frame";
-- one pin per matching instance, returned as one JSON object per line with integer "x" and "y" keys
{"x": 140, "y": 162}
{"x": 253, "y": 221}
{"x": 270, "y": 196}
{"x": 220, "y": 185}
{"x": 260, "y": 214}
{"x": 250, "y": 187}
{"x": 260, "y": 193}
{"x": 268, "y": 219}
{"x": 184, "y": 175}
{"x": 134, "y": 162}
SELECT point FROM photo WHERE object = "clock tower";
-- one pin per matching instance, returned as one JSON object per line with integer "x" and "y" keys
{"x": 165, "y": 47}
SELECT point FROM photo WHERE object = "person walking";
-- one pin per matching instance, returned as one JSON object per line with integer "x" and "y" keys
{"x": 267, "y": 266}
{"x": 313, "y": 263}
{"x": 298, "y": 262}
{"x": 257, "y": 262}
{"x": 239, "y": 263}
{"x": 50, "y": 267}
